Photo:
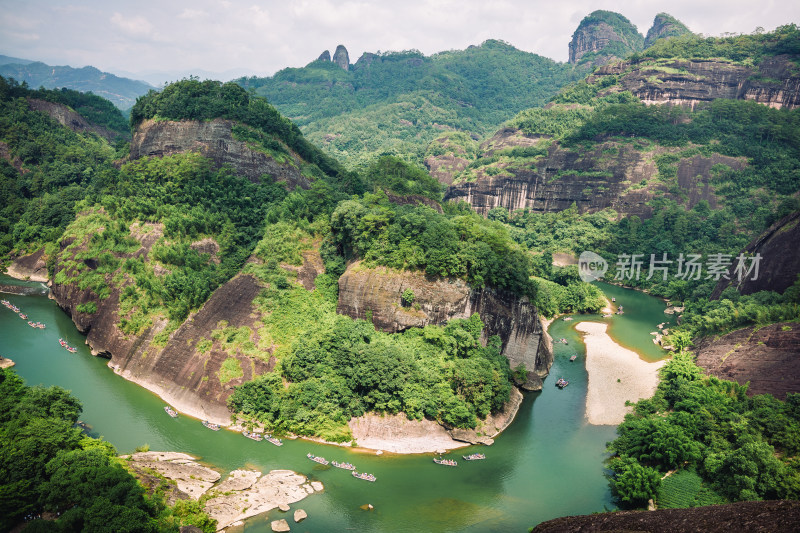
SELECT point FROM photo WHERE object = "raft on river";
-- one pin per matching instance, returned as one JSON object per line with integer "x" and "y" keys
{"x": 317, "y": 459}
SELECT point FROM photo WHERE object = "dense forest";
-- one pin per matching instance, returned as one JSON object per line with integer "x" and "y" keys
{"x": 395, "y": 103}
{"x": 49, "y": 468}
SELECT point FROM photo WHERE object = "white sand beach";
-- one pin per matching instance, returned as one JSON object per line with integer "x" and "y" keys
{"x": 607, "y": 362}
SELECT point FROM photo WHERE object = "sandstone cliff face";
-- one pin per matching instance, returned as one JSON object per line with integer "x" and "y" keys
{"x": 30, "y": 267}
{"x": 780, "y": 260}
{"x": 214, "y": 139}
{"x": 765, "y": 357}
{"x": 341, "y": 57}
{"x": 179, "y": 372}
{"x": 600, "y": 29}
{"x": 377, "y": 293}
{"x": 592, "y": 180}
{"x": 69, "y": 118}
{"x": 774, "y": 82}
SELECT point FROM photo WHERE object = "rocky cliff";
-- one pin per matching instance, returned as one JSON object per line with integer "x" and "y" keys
{"x": 603, "y": 36}
{"x": 375, "y": 293}
{"x": 665, "y": 26}
{"x": 69, "y": 118}
{"x": 611, "y": 174}
{"x": 765, "y": 357}
{"x": 178, "y": 370}
{"x": 341, "y": 57}
{"x": 774, "y": 81}
{"x": 215, "y": 140}
{"x": 780, "y": 260}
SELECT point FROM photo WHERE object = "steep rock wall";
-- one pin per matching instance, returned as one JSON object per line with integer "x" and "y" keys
{"x": 376, "y": 293}
{"x": 179, "y": 372}
{"x": 69, "y": 118}
{"x": 214, "y": 139}
{"x": 591, "y": 180}
{"x": 774, "y": 82}
{"x": 780, "y": 260}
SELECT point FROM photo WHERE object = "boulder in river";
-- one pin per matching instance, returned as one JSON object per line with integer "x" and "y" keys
{"x": 280, "y": 525}
{"x": 300, "y": 515}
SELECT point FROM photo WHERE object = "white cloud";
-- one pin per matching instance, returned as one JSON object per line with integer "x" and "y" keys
{"x": 137, "y": 25}
{"x": 190, "y": 14}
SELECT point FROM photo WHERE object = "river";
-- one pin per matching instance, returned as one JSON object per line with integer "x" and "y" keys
{"x": 548, "y": 463}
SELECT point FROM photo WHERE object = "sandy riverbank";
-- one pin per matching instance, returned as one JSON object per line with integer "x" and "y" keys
{"x": 616, "y": 375}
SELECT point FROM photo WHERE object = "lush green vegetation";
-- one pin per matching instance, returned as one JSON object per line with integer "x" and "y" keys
{"x": 47, "y": 465}
{"x": 58, "y": 168}
{"x": 395, "y": 103}
{"x": 743, "y": 448}
{"x": 674, "y": 28}
{"x": 630, "y": 38}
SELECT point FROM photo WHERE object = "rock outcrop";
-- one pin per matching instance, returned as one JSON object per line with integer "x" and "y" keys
{"x": 324, "y": 56}
{"x": 178, "y": 371}
{"x": 766, "y": 357}
{"x": 215, "y": 140}
{"x": 376, "y": 293}
{"x": 665, "y": 26}
{"x": 69, "y": 118}
{"x": 603, "y": 36}
{"x": 774, "y": 82}
{"x": 243, "y": 494}
{"x": 780, "y": 260}
{"x": 608, "y": 176}
{"x": 341, "y": 57}
{"x": 29, "y": 267}
{"x": 754, "y": 517}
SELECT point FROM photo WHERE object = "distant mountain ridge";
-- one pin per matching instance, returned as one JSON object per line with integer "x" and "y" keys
{"x": 122, "y": 92}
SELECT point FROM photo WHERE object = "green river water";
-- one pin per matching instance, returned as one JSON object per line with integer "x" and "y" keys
{"x": 548, "y": 463}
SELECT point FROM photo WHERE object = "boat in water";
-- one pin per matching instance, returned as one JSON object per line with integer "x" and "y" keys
{"x": 364, "y": 476}
{"x": 210, "y": 425}
{"x": 474, "y": 457}
{"x": 274, "y": 440}
{"x": 252, "y": 435}
{"x": 445, "y": 462}
{"x": 170, "y": 411}
{"x": 573, "y": 357}
{"x": 66, "y": 346}
{"x": 561, "y": 383}
{"x": 346, "y": 466}
{"x": 317, "y": 459}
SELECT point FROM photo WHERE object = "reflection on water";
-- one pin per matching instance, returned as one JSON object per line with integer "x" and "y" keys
{"x": 548, "y": 463}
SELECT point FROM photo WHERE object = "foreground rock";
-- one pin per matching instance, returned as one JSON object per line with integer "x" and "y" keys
{"x": 29, "y": 267}
{"x": 753, "y": 517}
{"x": 280, "y": 525}
{"x": 300, "y": 515}
{"x": 243, "y": 494}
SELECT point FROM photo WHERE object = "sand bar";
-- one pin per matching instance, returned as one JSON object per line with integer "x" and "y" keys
{"x": 607, "y": 362}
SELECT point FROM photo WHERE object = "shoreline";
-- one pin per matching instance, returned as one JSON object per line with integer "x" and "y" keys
{"x": 616, "y": 375}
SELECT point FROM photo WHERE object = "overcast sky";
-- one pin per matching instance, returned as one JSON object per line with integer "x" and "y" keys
{"x": 264, "y": 36}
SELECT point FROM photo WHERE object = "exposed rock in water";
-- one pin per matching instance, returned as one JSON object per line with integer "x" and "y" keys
{"x": 765, "y": 357}
{"x": 376, "y": 292}
{"x": 5, "y": 362}
{"x": 592, "y": 180}
{"x": 300, "y": 515}
{"x": 780, "y": 260}
{"x": 29, "y": 267}
{"x": 243, "y": 494}
{"x": 603, "y": 36}
{"x": 214, "y": 139}
{"x": 280, "y": 525}
{"x": 341, "y": 57}
{"x": 324, "y": 56}
{"x": 665, "y": 26}
{"x": 754, "y": 517}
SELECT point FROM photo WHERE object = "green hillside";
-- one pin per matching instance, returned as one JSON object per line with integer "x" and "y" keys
{"x": 397, "y": 102}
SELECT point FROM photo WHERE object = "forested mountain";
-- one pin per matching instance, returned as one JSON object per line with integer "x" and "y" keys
{"x": 396, "y": 102}
{"x": 123, "y": 92}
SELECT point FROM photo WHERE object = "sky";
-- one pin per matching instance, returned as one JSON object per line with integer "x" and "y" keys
{"x": 140, "y": 37}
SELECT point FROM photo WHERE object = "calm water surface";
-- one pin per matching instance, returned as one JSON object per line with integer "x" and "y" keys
{"x": 549, "y": 463}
